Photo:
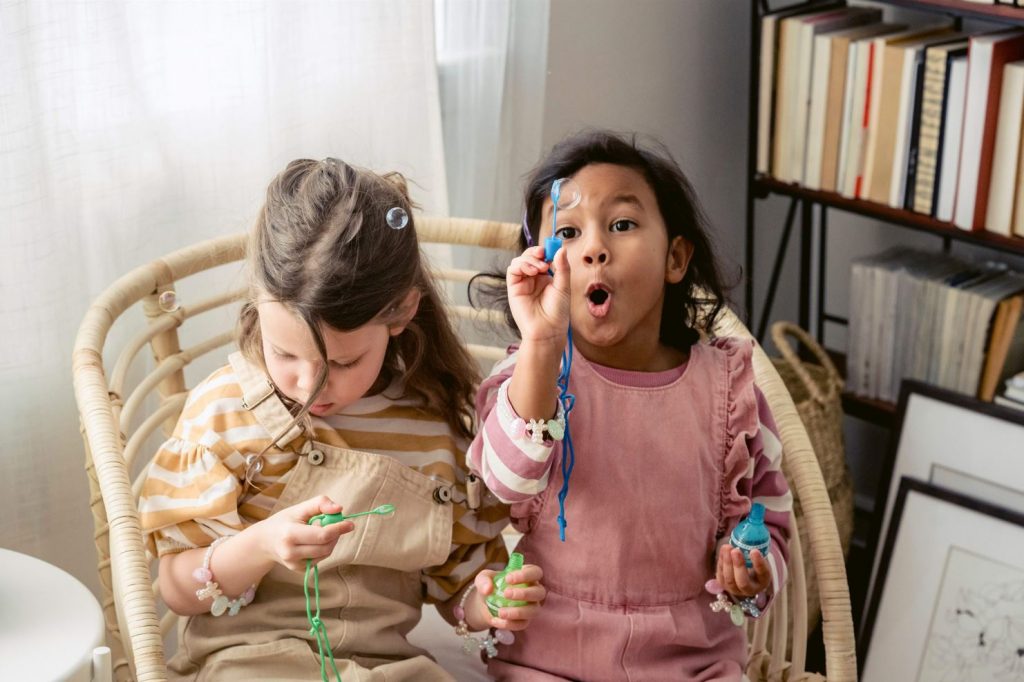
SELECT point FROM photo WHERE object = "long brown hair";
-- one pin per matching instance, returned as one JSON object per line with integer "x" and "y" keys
{"x": 322, "y": 246}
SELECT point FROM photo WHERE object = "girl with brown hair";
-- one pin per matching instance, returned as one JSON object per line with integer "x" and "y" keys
{"x": 351, "y": 388}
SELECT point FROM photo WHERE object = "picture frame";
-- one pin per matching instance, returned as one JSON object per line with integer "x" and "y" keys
{"x": 954, "y": 441}
{"x": 949, "y": 593}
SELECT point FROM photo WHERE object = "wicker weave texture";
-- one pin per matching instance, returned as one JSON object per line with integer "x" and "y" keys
{"x": 130, "y": 608}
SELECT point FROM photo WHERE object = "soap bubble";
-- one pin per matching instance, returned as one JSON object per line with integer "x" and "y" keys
{"x": 565, "y": 193}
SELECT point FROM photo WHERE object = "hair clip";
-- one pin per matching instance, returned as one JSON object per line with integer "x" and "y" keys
{"x": 397, "y": 218}
{"x": 526, "y": 231}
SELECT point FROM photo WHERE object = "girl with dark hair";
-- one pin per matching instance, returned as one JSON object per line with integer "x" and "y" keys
{"x": 667, "y": 443}
{"x": 351, "y": 388}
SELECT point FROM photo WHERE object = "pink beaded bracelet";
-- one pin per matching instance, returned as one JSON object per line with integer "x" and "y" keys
{"x": 221, "y": 604}
{"x": 488, "y": 643}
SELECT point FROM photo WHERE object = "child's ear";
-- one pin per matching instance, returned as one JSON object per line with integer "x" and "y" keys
{"x": 680, "y": 251}
{"x": 407, "y": 308}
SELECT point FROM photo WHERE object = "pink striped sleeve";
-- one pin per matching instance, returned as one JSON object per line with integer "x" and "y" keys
{"x": 514, "y": 469}
{"x": 765, "y": 484}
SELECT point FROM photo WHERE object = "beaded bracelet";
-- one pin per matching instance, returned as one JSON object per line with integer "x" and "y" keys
{"x": 488, "y": 643}
{"x": 221, "y": 604}
{"x": 751, "y": 606}
{"x": 536, "y": 428}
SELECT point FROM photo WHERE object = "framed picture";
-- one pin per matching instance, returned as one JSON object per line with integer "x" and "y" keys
{"x": 949, "y": 600}
{"x": 956, "y": 442}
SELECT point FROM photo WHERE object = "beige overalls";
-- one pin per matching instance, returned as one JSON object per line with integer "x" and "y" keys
{"x": 371, "y": 592}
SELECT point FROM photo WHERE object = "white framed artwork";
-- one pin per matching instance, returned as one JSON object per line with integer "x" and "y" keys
{"x": 956, "y": 442}
{"x": 948, "y": 605}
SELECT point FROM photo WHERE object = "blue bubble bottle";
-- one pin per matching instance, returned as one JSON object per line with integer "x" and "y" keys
{"x": 751, "y": 534}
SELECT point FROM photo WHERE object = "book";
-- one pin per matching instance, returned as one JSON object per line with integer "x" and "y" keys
{"x": 989, "y": 53}
{"x": 1005, "y": 325}
{"x": 1018, "y": 204}
{"x": 768, "y": 84}
{"x": 834, "y": 105}
{"x": 858, "y": 71}
{"x": 999, "y": 215}
{"x": 887, "y": 155}
{"x": 883, "y": 101}
{"x": 807, "y": 30}
{"x": 932, "y": 97}
{"x": 788, "y": 73}
{"x": 909, "y": 181}
{"x": 1014, "y": 393}
{"x": 949, "y": 136}
{"x": 983, "y": 304}
{"x": 1009, "y": 402}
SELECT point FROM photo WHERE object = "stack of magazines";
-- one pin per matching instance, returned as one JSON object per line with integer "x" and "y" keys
{"x": 935, "y": 318}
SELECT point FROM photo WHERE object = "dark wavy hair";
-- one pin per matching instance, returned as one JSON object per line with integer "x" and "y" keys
{"x": 691, "y": 304}
{"x": 322, "y": 247}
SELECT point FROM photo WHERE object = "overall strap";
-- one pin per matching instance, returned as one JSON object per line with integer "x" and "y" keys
{"x": 260, "y": 398}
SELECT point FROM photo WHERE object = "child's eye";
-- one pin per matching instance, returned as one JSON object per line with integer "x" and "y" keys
{"x": 567, "y": 232}
{"x": 622, "y": 226}
{"x": 344, "y": 365}
{"x": 282, "y": 354}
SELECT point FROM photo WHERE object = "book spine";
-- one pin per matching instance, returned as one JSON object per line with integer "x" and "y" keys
{"x": 915, "y": 132}
{"x": 931, "y": 122}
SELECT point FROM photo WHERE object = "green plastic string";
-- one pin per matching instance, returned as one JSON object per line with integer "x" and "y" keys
{"x": 317, "y": 627}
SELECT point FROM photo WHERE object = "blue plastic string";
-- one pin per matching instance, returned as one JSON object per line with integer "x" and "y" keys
{"x": 567, "y": 400}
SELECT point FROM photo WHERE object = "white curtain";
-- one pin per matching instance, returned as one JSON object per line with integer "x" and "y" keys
{"x": 492, "y": 63}
{"x": 130, "y": 129}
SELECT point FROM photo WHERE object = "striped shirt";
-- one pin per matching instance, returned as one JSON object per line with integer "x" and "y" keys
{"x": 194, "y": 490}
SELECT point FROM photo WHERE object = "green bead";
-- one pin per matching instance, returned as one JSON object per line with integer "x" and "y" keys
{"x": 736, "y": 613}
{"x": 555, "y": 429}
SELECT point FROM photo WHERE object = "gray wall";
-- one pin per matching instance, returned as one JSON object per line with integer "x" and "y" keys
{"x": 675, "y": 70}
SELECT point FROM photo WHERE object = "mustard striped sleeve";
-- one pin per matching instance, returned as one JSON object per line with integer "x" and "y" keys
{"x": 477, "y": 542}
{"x": 190, "y": 494}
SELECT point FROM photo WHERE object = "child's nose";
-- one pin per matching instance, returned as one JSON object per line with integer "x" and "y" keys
{"x": 595, "y": 252}
{"x": 306, "y": 378}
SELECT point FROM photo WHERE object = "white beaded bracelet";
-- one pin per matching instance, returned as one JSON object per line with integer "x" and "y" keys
{"x": 221, "y": 604}
{"x": 488, "y": 643}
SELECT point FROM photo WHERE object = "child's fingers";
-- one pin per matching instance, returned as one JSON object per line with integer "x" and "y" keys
{"x": 525, "y": 266}
{"x": 530, "y": 573}
{"x": 740, "y": 573}
{"x": 484, "y": 582}
{"x": 762, "y": 571}
{"x": 728, "y": 580}
{"x": 514, "y": 617}
{"x": 321, "y": 504}
{"x": 303, "y": 534}
{"x": 533, "y": 593}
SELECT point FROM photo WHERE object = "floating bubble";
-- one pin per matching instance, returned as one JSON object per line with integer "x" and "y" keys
{"x": 397, "y": 218}
{"x": 565, "y": 193}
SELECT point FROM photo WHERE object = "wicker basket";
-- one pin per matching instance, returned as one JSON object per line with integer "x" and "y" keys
{"x": 816, "y": 390}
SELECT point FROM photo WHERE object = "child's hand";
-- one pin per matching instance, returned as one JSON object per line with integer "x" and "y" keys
{"x": 509, "y": 617}
{"x": 287, "y": 539}
{"x": 736, "y": 578}
{"x": 539, "y": 302}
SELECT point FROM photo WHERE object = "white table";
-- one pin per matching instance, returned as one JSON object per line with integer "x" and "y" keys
{"x": 51, "y": 625}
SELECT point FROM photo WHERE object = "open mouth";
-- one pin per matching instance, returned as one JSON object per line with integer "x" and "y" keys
{"x": 599, "y": 299}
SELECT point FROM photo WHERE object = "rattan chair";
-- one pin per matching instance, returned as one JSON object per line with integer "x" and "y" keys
{"x": 109, "y": 408}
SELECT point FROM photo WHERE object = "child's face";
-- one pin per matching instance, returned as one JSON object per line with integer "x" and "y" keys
{"x": 293, "y": 361}
{"x": 621, "y": 259}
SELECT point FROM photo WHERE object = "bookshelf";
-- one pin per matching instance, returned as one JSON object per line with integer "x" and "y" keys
{"x": 806, "y": 222}
{"x": 806, "y": 202}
